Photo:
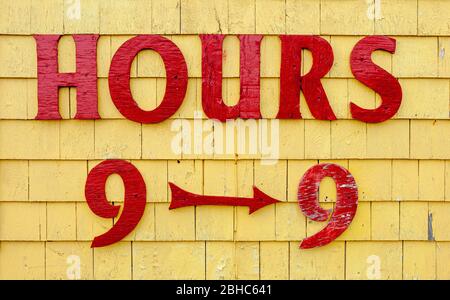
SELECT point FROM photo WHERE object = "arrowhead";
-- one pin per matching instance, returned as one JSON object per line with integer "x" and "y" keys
{"x": 260, "y": 200}
{"x": 178, "y": 196}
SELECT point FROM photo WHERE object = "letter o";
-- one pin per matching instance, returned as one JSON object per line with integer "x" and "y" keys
{"x": 176, "y": 73}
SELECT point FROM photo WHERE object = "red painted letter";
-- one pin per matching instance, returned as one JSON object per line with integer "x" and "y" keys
{"x": 291, "y": 81}
{"x": 375, "y": 78}
{"x": 133, "y": 205}
{"x": 248, "y": 106}
{"x": 346, "y": 203}
{"x": 176, "y": 73}
{"x": 49, "y": 80}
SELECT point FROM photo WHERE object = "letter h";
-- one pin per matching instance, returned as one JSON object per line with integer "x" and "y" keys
{"x": 50, "y": 80}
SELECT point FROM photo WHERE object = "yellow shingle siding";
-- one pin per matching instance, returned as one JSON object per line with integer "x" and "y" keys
{"x": 401, "y": 166}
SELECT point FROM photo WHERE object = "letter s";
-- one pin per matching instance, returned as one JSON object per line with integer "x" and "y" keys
{"x": 374, "y": 77}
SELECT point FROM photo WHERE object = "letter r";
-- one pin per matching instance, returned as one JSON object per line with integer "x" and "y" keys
{"x": 292, "y": 82}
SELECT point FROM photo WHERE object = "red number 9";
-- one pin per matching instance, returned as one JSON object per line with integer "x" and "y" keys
{"x": 133, "y": 206}
{"x": 346, "y": 203}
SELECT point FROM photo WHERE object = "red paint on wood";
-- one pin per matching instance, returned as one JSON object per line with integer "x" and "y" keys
{"x": 345, "y": 208}
{"x": 50, "y": 80}
{"x": 176, "y": 78}
{"x": 248, "y": 106}
{"x": 182, "y": 198}
{"x": 133, "y": 205}
{"x": 386, "y": 85}
{"x": 291, "y": 81}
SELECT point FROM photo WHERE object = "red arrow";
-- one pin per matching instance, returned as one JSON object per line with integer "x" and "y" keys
{"x": 182, "y": 198}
